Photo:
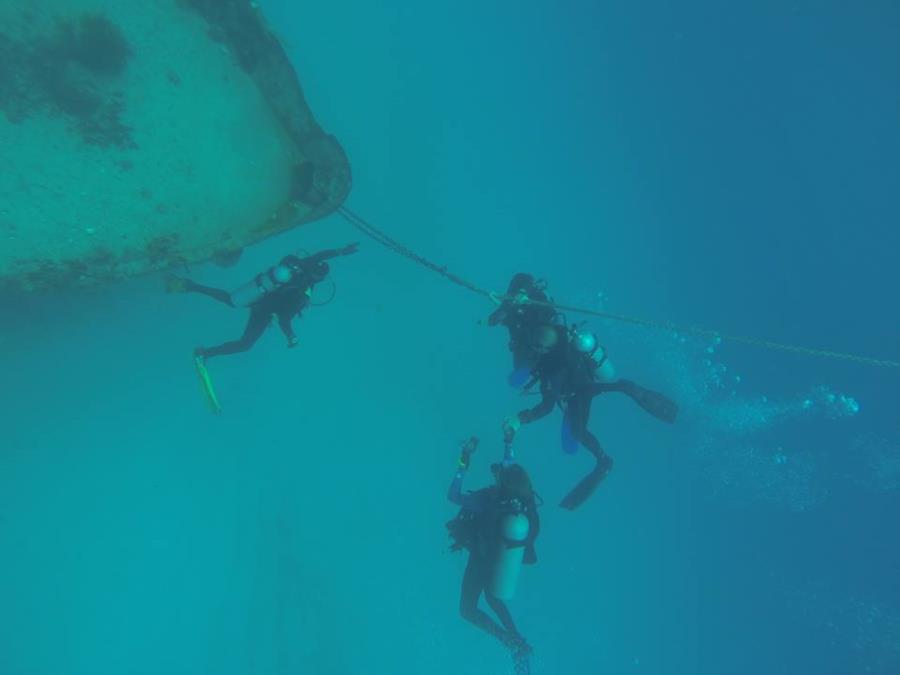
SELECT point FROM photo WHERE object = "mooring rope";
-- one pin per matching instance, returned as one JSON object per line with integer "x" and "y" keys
{"x": 371, "y": 231}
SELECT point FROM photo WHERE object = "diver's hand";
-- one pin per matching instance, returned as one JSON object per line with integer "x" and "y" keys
{"x": 350, "y": 248}
{"x": 521, "y": 298}
{"x": 511, "y": 426}
{"x": 293, "y": 342}
{"x": 465, "y": 454}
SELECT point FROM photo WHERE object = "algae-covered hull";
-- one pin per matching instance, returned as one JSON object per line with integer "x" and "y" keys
{"x": 141, "y": 135}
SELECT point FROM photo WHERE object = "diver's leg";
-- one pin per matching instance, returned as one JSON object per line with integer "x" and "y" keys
{"x": 176, "y": 284}
{"x": 256, "y": 325}
{"x": 578, "y": 414}
{"x": 659, "y": 405}
{"x": 521, "y": 650}
{"x": 214, "y": 293}
{"x": 502, "y": 611}
{"x": 598, "y": 388}
{"x": 472, "y": 586}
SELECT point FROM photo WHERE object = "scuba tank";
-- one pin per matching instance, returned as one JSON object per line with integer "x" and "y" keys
{"x": 514, "y": 528}
{"x": 587, "y": 344}
{"x": 261, "y": 285}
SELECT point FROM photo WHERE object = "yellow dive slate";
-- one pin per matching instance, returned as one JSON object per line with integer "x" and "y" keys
{"x": 206, "y": 385}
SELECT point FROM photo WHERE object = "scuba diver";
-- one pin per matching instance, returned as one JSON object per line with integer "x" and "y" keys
{"x": 573, "y": 368}
{"x": 498, "y": 525}
{"x": 282, "y": 291}
{"x": 523, "y": 312}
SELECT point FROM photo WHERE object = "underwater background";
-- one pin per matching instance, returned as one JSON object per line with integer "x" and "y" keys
{"x": 732, "y": 166}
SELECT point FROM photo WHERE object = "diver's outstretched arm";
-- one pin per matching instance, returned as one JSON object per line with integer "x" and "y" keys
{"x": 511, "y": 425}
{"x": 332, "y": 253}
{"x": 542, "y": 409}
{"x": 499, "y": 315}
{"x": 455, "y": 493}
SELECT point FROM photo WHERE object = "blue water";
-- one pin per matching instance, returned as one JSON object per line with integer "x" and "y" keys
{"x": 722, "y": 165}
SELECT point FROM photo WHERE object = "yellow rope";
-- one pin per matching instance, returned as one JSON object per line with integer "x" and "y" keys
{"x": 369, "y": 230}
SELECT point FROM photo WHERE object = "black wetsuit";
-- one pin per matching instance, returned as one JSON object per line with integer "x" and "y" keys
{"x": 568, "y": 379}
{"x": 487, "y": 507}
{"x": 285, "y": 302}
{"x": 522, "y": 318}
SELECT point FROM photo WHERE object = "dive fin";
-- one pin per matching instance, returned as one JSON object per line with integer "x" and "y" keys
{"x": 580, "y": 493}
{"x": 206, "y": 385}
{"x": 659, "y": 405}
